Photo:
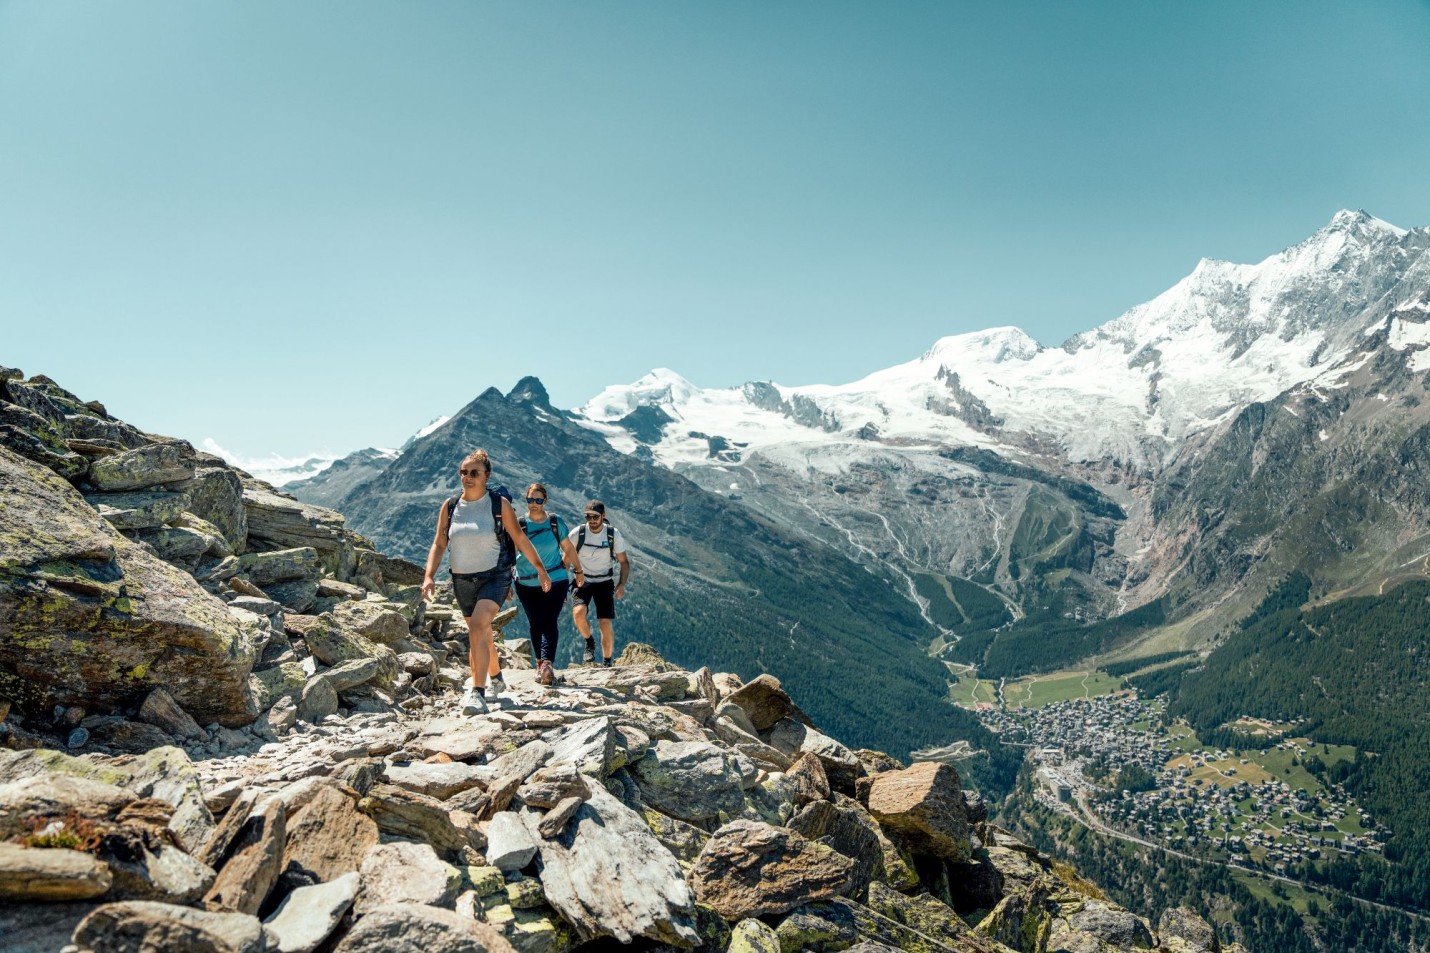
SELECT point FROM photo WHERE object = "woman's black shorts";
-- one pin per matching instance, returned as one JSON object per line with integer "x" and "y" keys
{"x": 472, "y": 587}
{"x": 604, "y": 595}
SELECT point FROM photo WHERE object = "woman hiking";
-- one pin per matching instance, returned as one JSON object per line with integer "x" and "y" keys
{"x": 482, "y": 531}
{"x": 547, "y": 533}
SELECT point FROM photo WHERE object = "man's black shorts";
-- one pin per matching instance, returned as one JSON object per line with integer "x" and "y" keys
{"x": 604, "y": 595}
{"x": 471, "y": 588}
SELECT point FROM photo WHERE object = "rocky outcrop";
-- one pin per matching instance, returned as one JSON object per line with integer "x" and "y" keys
{"x": 539, "y": 839}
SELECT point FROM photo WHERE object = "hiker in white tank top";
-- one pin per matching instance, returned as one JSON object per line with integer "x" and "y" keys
{"x": 476, "y": 552}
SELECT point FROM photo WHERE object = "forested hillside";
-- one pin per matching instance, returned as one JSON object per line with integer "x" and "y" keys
{"x": 1352, "y": 672}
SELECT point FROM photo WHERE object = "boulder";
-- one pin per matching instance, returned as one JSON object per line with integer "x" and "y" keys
{"x": 143, "y": 467}
{"x": 333, "y": 645}
{"x": 164, "y": 773}
{"x": 809, "y": 780}
{"x": 160, "y": 709}
{"x": 318, "y": 701}
{"x": 693, "y": 781}
{"x": 146, "y": 925}
{"x": 309, "y": 915}
{"x": 794, "y": 738}
{"x": 280, "y": 522}
{"x": 753, "y": 936}
{"x": 510, "y": 846}
{"x": 1108, "y": 925}
{"x": 280, "y": 565}
{"x": 607, "y": 875}
{"x": 281, "y": 681}
{"x": 553, "y": 784}
{"x": 254, "y": 860}
{"x": 216, "y": 497}
{"x": 405, "y": 814}
{"x": 327, "y": 838}
{"x": 350, "y": 675}
{"x": 51, "y": 795}
{"x": 39, "y": 874}
{"x": 147, "y": 868}
{"x": 87, "y": 617}
{"x": 522, "y": 762}
{"x": 751, "y": 869}
{"x": 848, "y": 828}
{"x": 590, "y": 745}
{"x": 438, "y": 780}
{"x": 924, "y": 804}
{"x": 764, "y": 702}
{"x": 412, "y": 928}
{"x": 146, "y": 509}
{"x": 1184, "y": 930}
{"x": 403, "y": 872}
{"x": 375, "y": 621}
{"x": 175, "y": 544}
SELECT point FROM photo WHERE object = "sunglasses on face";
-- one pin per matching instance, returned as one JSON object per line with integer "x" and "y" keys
{"x": 536, "y": 500}
{"x": 473, "y": 473}
{"x": 593, "y": 517}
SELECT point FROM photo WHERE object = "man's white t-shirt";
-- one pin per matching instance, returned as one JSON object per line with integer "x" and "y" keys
{"x": 595, "y": 555}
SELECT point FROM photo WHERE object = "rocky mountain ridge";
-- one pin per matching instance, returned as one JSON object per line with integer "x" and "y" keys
{"x": 336, "y": 801}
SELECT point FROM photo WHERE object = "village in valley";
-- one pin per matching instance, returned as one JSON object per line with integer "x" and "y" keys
{"x": 1114, "y": 762}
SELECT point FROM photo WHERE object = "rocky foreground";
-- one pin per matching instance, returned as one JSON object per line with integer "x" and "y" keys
{"x": 230, "y": 724}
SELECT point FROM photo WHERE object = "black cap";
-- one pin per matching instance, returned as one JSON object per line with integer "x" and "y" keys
{"x": 595, "y": 506}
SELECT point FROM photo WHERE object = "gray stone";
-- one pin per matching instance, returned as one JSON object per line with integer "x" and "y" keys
{"x": 436, "y": 780}
{"x": 412, "y": 928}
{"x": 751, "y": 869}
{"x": 265, "y": 568}
{"x": 37, "y": 874}
{"x": 607, "y": 875}
{"x": 552, "y": 784}
{"x": 319, "y": 700}
{"x": 309, "y": 915}
{"x": 694, "y": 781}
{"x": 403, "y": 872}
{"x": 924, "y": 805}
{"x": 143, "y": 467}
{"x": 256, "y": 605}
{"x": 509, "y": 845}
{"x": 135, "y": 511}
{"x": 590, "y": 745}
{"x": 254, "y": 860}
{"x": 143, "y": 926}
{"x": 160, "y": 709}
{"x": 375, "y": 621}
{"x": 794, "y": 738}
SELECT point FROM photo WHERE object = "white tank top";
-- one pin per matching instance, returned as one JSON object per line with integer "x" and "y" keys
{"x": 471, "y": 537}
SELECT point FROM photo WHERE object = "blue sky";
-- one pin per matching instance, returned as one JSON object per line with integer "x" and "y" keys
{"x": 291, "y": 227}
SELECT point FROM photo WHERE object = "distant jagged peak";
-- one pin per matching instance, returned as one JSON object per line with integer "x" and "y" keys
{"x": 992, "y": 345}
{"x": 530, "y": 390}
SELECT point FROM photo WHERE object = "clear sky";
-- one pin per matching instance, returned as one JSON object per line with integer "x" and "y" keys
{"x": 289, "y": 227}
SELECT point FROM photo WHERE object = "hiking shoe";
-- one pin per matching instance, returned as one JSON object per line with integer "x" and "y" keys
{"x": 495, "y": 687}
{"x": 607, "y": 663}
{"x": 545, "y": 674}
{"x": 472, "y": 703}
{"x": 589, "y": 654}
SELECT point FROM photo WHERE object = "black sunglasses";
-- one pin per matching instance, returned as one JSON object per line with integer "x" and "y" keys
{"x": 593, "y": 516}
{"x": 473, "y": 473}
{"x": 536, "y": 500}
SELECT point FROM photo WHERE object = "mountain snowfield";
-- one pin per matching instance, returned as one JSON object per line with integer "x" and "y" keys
{"x": 1130, "y": 391}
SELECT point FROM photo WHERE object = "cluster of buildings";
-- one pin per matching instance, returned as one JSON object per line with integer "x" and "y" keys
{"x": 1200, "y": 800}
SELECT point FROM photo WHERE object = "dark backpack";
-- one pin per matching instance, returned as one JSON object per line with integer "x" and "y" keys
{"x": 506, "y": 557}
{"x": 610, "y": 544}
{"x": 554, "y": 533}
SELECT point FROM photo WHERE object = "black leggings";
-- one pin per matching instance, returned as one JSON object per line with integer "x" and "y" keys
{"x": 543, "y": 611}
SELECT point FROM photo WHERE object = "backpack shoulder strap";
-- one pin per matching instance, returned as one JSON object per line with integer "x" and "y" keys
{"x": 449, "y": 508}
{"x": 611, "y": 538}
{"x": 521, "y": 521}
{"x": 556, "y": 530}
{"x": 581, "y": 537}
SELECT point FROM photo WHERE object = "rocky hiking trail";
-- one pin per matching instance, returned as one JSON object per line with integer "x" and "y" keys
{"x": 228, "y": 723}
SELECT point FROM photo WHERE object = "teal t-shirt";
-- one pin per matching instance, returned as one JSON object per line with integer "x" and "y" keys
{"x": 548, "y": 547}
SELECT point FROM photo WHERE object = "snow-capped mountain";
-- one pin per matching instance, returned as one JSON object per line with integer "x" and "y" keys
{"x": 1131, "y": 390}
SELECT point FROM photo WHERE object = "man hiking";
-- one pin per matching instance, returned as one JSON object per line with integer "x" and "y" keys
{"x": 599, "y": 546}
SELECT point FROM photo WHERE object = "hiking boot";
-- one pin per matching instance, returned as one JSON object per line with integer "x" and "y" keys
{"x": 495, "y": 687}
{"x": 472, "y": 703}
{"x": 607, "y": 663}
{"x": 545, "y": 674}
{"x": 588, "y": 655}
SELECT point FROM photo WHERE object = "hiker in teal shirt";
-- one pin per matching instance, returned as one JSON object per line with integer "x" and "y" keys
{"x": 547, "y": 533}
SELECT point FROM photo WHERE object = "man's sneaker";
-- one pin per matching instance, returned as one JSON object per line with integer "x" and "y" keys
{"x": 589, "y": 654}
{"x": 545, "y": 674}
{"x": 472, "y": 703}
{"x": 607, "y": 663}
{"x": 495, "y": 687}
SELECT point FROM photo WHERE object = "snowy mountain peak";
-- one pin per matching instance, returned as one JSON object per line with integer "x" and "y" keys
{"x": 1359, "y": 220}
{"x": 994, "y": 346}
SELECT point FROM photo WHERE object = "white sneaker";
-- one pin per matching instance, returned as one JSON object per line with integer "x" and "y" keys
{"x": 495, "y": 686}
{"x": 472, "y": 703}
